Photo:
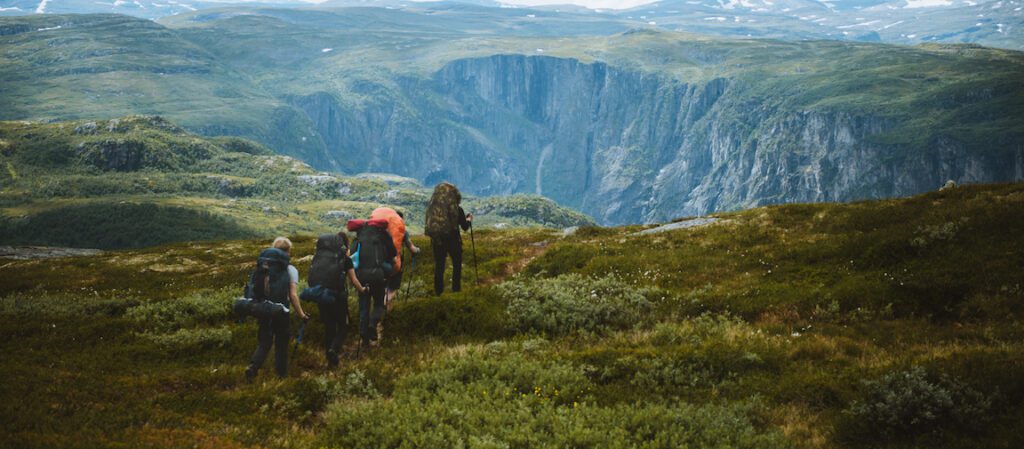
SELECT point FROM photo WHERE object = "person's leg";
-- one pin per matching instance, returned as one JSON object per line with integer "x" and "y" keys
{"x": 394, "y": 285}
{"x": 455, "y": 248}
{"x": 364, "y": 317}
{"x": 378, "y": 292}
{"x": 340, "y": 312}
{"x": 265, "y": 337}
{"x": 341, "y": 317}
{"x": 440, "y": 254}
{"x": 330, "y": 320}
{"x": 282, "y": 337}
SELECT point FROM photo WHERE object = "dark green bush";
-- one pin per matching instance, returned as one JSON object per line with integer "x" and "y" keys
{"x": 475, "y": 313}
{"x": 492, "y": 398}
{"x": 173, "y": 314}
{"x": 562, "y": 259}
{"x": 190, "y": 339}
{"x": 573, "y": 303}
{"x": 911, "y": 403}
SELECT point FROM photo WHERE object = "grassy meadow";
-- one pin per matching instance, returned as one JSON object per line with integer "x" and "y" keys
{"x": 141, "y": 181}
{"x": 875, "y": 324}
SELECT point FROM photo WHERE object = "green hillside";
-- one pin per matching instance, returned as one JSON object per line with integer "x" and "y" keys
{"x": 141, "y": 181}
{"x": 874, "y": 324}
{"x": 628, "y": 126}
{"x": 106, "y": 66}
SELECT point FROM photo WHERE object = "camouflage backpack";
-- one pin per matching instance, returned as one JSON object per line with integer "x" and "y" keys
{"x": 443, "y": 210}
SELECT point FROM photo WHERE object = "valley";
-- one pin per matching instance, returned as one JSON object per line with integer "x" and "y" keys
{"x": 702, "y": 224}
{"x": 641, "y": 125}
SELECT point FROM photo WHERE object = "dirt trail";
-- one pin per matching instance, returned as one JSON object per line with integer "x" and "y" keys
{"x": 529, "y": 253}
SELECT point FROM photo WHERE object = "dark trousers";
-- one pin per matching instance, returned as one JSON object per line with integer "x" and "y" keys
{"x": 369, "y": 317}
{"x": 272, "y": 332}
{"x": 444, "y": 246}
{"x": 335, "y": 318}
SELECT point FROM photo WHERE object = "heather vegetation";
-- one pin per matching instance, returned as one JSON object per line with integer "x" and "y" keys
{"x": 876, "y": 324}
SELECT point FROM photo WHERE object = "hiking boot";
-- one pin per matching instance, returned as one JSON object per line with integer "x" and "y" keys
{"x": 364, "y": 347}
{"x": 250, "y": 374}
{"x": 332, "y": 359}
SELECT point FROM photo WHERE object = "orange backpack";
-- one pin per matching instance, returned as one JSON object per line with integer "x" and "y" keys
{"x": 396, "y": 227}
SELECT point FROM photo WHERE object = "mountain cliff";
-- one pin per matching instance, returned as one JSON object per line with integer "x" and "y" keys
{"x": 630, "y": 146}
{"x": 637, "y": 126}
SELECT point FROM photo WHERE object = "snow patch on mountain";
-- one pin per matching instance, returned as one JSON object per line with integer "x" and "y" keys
{"x": 911, "y": 4}
{"x": 862, "y": 24}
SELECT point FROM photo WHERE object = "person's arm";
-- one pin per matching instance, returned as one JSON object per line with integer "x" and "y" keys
{"x": 294, "y": 295}
{"x": 355, "y": 281}
{"x": 408, "y": 244}
{"x": 350, "y": 270}
{"x": 465, "y": 220}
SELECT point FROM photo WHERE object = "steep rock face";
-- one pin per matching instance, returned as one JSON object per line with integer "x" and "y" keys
{"x": 390, "y": 137}
{"x": 627, "y": 146}
{"x": 809, "y": 156}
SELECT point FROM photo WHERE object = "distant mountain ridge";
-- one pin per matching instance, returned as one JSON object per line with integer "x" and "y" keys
{"x": 997, "y": 23}
{"x": 637, "y": 126}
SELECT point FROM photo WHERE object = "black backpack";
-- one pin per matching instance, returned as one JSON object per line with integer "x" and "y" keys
{"x": 374, "y": 264}
{"x": 269, "y": 281}
{"x": 327, "y": 269}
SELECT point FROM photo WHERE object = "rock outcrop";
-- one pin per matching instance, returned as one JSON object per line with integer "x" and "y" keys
{"x": 628, "y": 146}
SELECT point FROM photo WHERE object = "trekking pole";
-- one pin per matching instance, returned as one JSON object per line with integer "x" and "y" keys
{"x": 302, "y": 330}
{"x": 412, "y": 271}
{"x": 472, "y": 239}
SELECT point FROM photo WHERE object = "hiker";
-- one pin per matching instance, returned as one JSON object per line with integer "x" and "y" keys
{"x": 281, "y": 277}
{"x": 396, "y": 229}
{"x": 331, "y": 264}
{"x": 395, "y": 281}
{"x": 373, "y": 253}
{"x": 444, "y": 218}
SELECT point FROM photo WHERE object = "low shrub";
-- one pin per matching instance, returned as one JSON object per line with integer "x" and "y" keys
{"x": 910, "y": 403}
{"x": 38, "y": 303}
{"x": 701, "y": 329}
{"x": 490, "y": 398}
{"x": 189, "y": 339}
{"x": 562, "y": 259}
{"x": 171, "y": 315}
{"x": 475, "y": 313}
{"x": 573, "y": 303}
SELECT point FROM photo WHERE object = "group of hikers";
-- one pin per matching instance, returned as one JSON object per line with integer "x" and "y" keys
{"x": 371, "y": 262}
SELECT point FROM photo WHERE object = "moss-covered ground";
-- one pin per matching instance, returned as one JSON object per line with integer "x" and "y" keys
{"x": 877, "y": 324}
